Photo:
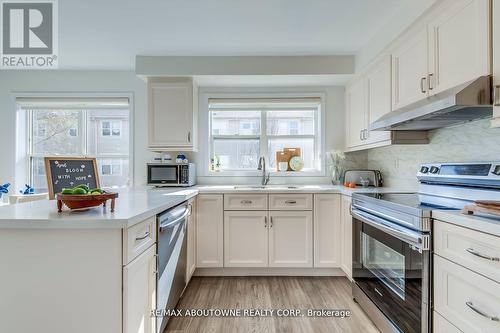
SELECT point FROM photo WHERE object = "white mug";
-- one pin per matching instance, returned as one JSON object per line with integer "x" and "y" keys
{"x": 283, "y": 166}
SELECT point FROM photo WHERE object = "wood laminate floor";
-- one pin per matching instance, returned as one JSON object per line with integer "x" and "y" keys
{"x": 270, "y": 293}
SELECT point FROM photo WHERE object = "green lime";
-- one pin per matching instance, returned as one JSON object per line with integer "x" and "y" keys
{"x": 83, "y": 186}
{"x": 95, "y": 192}
{"x": 98, "y": 190}
{"x": 79, "y": 190}
{"x": 67, "y": 191}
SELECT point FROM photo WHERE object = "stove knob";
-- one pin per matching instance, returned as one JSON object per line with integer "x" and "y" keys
{"x": 424, "y": 169}
{"x": 496, "y": 171}
{"x": 434, "y": 169}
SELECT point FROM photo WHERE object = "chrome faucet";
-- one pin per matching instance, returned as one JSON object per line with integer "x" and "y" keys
{"x": 262, "y": 166}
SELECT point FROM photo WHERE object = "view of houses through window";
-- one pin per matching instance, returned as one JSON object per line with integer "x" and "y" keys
{"x": 100, "y": 133}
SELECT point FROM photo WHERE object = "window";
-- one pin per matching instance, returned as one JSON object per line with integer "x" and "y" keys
{"x": 242, "y": 131}
{"x": 75, "y": 131}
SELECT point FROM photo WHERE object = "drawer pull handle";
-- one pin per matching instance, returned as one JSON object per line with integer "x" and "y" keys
{"x": 479, "y": 312}
{"x": 246, "y": 202}
{"x": 480, "y": 255}
{"x": 291, "y": 202}
{"x": 146, "y": 235}
{"x": 265, "y": 222}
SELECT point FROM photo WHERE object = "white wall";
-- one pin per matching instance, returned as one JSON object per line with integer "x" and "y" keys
{"x": 12, "y": 82}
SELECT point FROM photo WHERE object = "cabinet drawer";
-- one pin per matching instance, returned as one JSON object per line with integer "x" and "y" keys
{"x": 245, "y": 202}
{"x": 442, "y": 325}
{"x": 475, "y": 250}
{"x": 290, "y": 201}
{"x": 138, "y": 239}
{"x": 468, "y": 300}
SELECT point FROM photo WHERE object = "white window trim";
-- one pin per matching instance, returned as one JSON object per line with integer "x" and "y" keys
{"x": 206, "y": 145}
{"x": 21, "y": 123}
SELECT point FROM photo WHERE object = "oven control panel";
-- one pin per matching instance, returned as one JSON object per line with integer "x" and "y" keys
{"x": 481, "y": 174}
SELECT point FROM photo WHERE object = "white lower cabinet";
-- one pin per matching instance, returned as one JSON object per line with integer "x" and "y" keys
{"x": 139, "y": 293}
{"x": 191, "y": 240}
{"x": 327, "y": 228}
{"x": 290, "y": 239}
{"x": 442, "y": 325}
{"x": 346, "y": 236}
{"x": 246, "y": 239}
{"x": 210, "y": 230}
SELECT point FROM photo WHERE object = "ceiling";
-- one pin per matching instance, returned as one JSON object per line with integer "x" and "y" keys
{"x": 108, "y": 34}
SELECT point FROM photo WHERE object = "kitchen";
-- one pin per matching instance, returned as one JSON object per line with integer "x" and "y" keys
{"x": 271, "y": 181}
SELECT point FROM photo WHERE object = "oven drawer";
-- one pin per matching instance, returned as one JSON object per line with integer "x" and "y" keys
{"x": 138, "y": 239}
{"x": 290, "y": 201}
{"x": 468, "y": 300}
{"x": 442, "y": 325}
{"x": 475, "y": 250}
{"x": 245, "y": 202}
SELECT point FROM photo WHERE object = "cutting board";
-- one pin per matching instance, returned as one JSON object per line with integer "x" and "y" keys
{"x": 286, "y": 155}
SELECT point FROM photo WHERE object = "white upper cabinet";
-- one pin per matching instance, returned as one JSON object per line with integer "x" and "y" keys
{"x": 172, "y": 114}
{"x": 378, "y": 80}
{"x": 356, "y": 113}
{"x": 409, "y": 70}
{"x": 459, "y": 44}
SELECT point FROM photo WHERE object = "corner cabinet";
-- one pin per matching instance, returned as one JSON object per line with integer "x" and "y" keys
{"x": 209, "y": 230}
{"x": 172, "y": 112}
{"x": 327, "y": 230}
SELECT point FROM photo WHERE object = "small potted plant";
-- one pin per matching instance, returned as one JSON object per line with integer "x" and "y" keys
{"x": 336, "y": 159}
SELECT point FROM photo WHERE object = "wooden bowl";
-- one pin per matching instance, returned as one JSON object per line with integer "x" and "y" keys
{"x": 85, "y": 201}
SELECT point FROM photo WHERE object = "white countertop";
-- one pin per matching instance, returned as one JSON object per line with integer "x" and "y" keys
{"x": 487, "y": 224}
{"x": 136, "y": 204}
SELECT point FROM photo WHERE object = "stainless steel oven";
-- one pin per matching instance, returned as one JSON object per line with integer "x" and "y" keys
{"x": 391, "y": 270}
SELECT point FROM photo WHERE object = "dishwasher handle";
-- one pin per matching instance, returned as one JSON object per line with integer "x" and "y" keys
{"x": 170, "y": 224}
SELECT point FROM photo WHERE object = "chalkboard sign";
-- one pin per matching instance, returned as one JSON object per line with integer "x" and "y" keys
{"x": 68, "y": 172}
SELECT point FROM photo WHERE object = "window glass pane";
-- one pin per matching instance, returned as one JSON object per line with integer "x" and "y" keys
{"x": 237, "y": 154}
{"x": 113, "y": 171}
{"x": 306, "y": 146}
{"x": 290, "y": 122}
{"x": 52, "y": 133}
{"x": 39, "y": 182}
{"x": 235, "y": 122}
{"x": 112, "y": 123}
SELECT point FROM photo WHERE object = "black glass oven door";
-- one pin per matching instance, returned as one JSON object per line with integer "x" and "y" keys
{"x": 163, "y": 174}
{"x": 391, "y": 272}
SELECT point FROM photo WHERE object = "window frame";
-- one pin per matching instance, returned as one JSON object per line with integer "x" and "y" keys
{"x": 319, "y": 135}
{"x": 24, "y": 131}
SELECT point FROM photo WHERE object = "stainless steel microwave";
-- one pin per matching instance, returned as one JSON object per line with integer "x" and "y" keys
{"x": 163, "y": 174}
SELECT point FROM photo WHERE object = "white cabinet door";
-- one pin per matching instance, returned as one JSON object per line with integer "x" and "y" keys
{"x": 327, "y": 214}
{"x": 409, "y": 70}
{"x": 245, "y": 239}
{"x": 139, "y": 293}
{"x": 191, "y": 240}
{"x": 378, "y": 80}
{"x": 290, "y": 239}
{"x": 171, "y": 118}
{"x": 209, "y": 230}
{"x": 459, "y": 42}
{"x": 356, "y": 113}
{"x": 346, "y": 253}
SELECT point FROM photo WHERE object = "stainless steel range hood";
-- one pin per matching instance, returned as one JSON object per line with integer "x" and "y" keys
{"x": 466, "y": 102}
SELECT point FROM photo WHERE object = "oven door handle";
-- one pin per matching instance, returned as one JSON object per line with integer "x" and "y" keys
{"x": 407, "y": 236}
{"x": 164, "y": 226}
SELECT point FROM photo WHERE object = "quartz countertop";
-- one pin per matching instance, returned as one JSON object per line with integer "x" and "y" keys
{"x": 136, "y": 204}
{"x": 483, "y": 223}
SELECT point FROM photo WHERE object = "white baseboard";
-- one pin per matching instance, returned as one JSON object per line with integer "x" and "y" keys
{"x": 268, "y": 271}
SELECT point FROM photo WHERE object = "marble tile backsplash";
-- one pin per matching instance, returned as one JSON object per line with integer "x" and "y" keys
{"x": 474, "y": 141}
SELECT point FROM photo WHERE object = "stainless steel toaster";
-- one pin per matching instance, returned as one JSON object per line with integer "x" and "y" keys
{"x": 358, "y": 176}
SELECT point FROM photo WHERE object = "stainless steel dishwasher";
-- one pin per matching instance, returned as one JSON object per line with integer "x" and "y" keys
{"x": 172, "y": 259}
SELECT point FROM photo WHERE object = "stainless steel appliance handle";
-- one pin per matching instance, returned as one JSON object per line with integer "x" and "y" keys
{"x": 385, "y": 216}
{"x": 406, "y": 236}
{"x": 480, "y": 312}
{"x": 174, "y": 222}
{"x": 480, "y": 255}
{"x": 146, "y": 235}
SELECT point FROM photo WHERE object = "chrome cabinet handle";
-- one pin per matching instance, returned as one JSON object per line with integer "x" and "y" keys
{"x": 480, "y": 255}
{"x": 146, "y": 235}
{"x": 189, "y": 136}
{"x": 246, "y": 202}
{"x": 365, "y": 131}
{"x": 496, "y": 95}
{"x": 422, "y": 82}
{"x": 271, "y": 225}
{"x": 291, "y": 202}
{"x": 361, "y": 135}
{"x": 479, "y": 312}
{"x": 429, "y": 80}
{"x": 156, "y": 270}
{"x": 265, "y": 221}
